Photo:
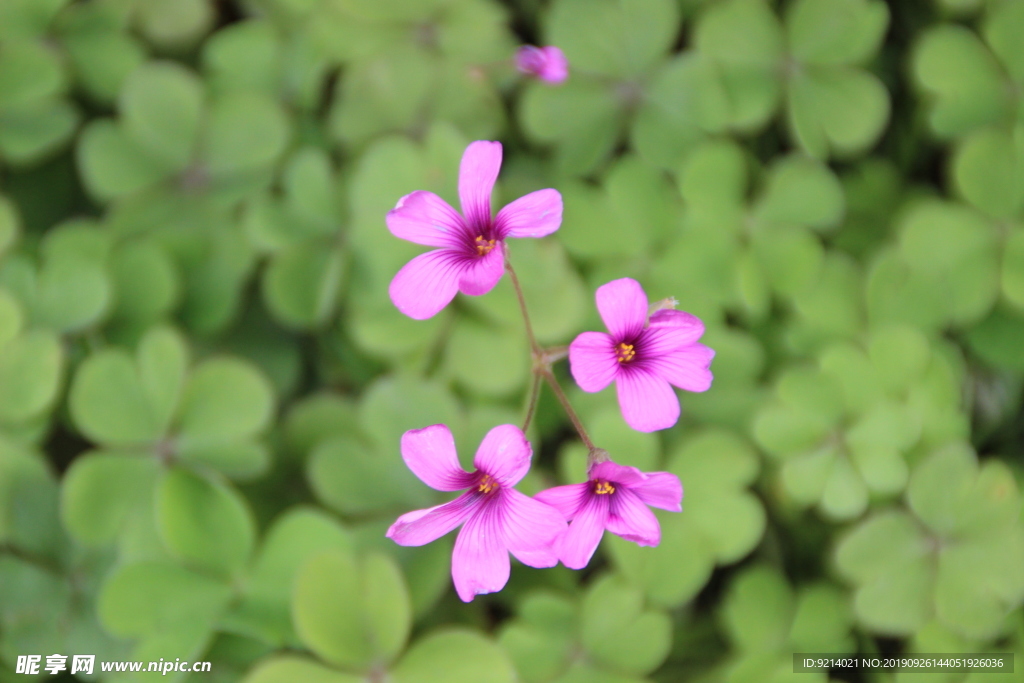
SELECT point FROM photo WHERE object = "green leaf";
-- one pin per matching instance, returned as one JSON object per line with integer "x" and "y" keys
{"x": 1013, "y": 269}
{"x": 843, "y": 32}
{"x": 393, "y": 405}
{"x": 995, "y": 339}
{"x": 351, "y": 613}
{"x": 146, "y": 283}
{"x": 109, "y": 402}
{"x": 31, "y": 367}
{"x": 989, "y": 172}
{"x": 759, "y": 609}
{"x": 616, "y": 629}
{"x": 472, "y": 350}
{"x": 101, "y": 492}
{"x": 292, "y": 539}
{"x": 619, "y": 38}
{"x": 10, "y": 224}
{"x": 112, "y": 165}
{"x": 205, "y": 523}
{"x": 801, "y": 191}
{"x": 302, "y": 283}
{"x": 836, "y": 110}
{"x": 72, "y": 293}
{"x": 29, "y": 72}
{"x": 11, "y": 318}
{"x": 161, "y": 106}
{"x": 963, "y": 79}
{"x": 455, "y": 656}
{"x": 245, "y": 132}
{"x": 290, "y": 668}
{"x": 224, "y": 399}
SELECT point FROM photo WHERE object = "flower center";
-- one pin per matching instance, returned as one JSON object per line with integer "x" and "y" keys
{"x": 603, "y": 488}
{"x": 624, "y": 352}
{"x": 487, "y": 484}
{"x": 483, "y": 246}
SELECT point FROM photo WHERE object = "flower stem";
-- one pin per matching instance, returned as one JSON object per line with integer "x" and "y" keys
{"x": 531, "y": 407}
{"x": 542, "y": 361}
{"x": 573, "y": 417}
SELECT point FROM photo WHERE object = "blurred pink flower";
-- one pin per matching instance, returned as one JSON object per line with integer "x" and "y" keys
{"x": 546, "y": 63}
{"x": 471, "y": 258}
{"x": 497, "y": 519}
{"x": 643, "y": 357}
{"x": 615, "y": 498}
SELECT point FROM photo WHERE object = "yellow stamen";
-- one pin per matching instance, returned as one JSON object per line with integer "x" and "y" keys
{"x": 487, "y": 484}
{"x": 603, "y": 488}
{"x": 625, "y": 352}
{"x": 483, "y": 246}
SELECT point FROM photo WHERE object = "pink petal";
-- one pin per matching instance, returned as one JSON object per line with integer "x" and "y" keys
{"x": 623, "y": 307}
{"x": 426, "y": 284}
{"x": 481, "y": 274}
{"x": 592, "y": 361}
{"x": 420, "y": 527}
{"x": 566, "y": 499}
{"x": 686, "y": 368}
{"x": 647, "y": 400}
{"x": 479, "y": 169}
{"x": 534, "y": 215}
{"x": 424, "y": 218}
{"x": 531, "y": 529}
{"x": 661, "y": 490}
{"x": 530, "y": 59}
{"x": 632, "y": 520}
{"x": 555, "y": 67}
{"x": 430, "y": 454}
{"x": 657, "y": 341}
{"x": 505, "y": 455}
{"x": 581, "y": 540}
{"x": 480, "y": 561}
{"x": 614, "y": 472}
{"x": 690, "y": 327}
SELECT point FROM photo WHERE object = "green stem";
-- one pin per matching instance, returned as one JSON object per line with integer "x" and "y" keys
{"x": 573, "y": 417}
{"x": 532, "y": 405}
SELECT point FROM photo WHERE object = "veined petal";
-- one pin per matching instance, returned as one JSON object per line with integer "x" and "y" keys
{"x": 581, "y": 540}
{"x": 623, "y": 307}
{"x": 505, "y": 455}
{"x": 531, "y": 528}
{"x": 479, "y": 275}
{"x": 631, "y": 519}
{"x": 568, "y": 500}
{"x": 534, "y": 215}
{"x": 478, "y": 170}
{"x": 424, "y": 218}
{"x": 614, "y": 472}
{"x": 687, "y": 368}
{"x": 420, "y": 527}
{"x": 592, "y": 361}
{"x": 678, "y": 320}
{"x": 661, "y": 490}
{"x": 426, "y": 284}
{"x": 430, "y": 454}
{"x": 556, "y": 66}
{"x": 480, "y": 561}
{"x": 647, "y": 400}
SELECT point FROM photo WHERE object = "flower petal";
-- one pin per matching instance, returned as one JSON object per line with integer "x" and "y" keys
{"x": 531, "y": 529}
{"x": 687, "y": 368}
{"x": 631, "y": 519}
{"x": 480, "y": 561}
{"x": 623, "y": 307}
{"x": 566, "y": 499}
{"x": 534, "y": 215}
{"x": 481, "y": 274}
{"x": 505, "y": 455}
{"x": 647, "y": 400}
{"x": 661, "y": 490}
{"x": 581, "y": 540}
{"x": 420, "y": 527}
{"x": 556, "y": 66}
{"x": 477, "y": 172}
{"x": 430, "y": 454}
{"x": 424, "y": 218}
{"x": 689, "y": 327}
{"x": 426, "y": 284}
{"x": 592, "y": 361}
{"x": 612, "y": 471}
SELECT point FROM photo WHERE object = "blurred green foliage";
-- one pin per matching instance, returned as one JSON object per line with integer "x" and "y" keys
{"x": 203, "y": 382}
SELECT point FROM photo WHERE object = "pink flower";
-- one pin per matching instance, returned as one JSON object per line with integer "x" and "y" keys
{"x": 644, "y": 358}
{"x": 615, "y": 498}
{"x": 546, "y": 63}
{"x": 471, "y": 258}
{"x": 496, "y": 518}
